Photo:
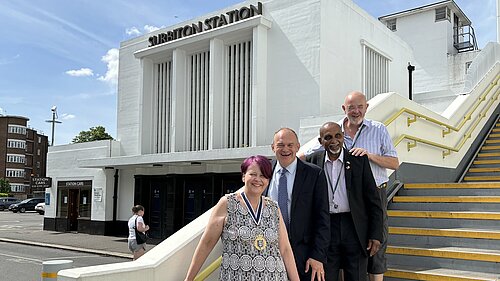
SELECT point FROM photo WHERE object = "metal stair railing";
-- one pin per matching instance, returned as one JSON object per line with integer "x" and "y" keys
{"x": 478, "y": 149}
{"x": 448, "y": 128}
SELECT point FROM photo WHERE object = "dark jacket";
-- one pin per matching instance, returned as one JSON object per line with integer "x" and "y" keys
{"x": 362, "y": 193}
{"x": 309, "y": 231}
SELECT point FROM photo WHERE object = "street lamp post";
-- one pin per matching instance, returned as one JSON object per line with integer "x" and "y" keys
{"x": 53, "y": 121}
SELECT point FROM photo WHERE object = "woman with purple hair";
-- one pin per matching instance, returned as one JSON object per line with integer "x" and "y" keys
{"x": 254, "y": 237}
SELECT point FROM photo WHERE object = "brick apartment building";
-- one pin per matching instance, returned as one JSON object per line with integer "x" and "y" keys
{"x": 23, "y": 155}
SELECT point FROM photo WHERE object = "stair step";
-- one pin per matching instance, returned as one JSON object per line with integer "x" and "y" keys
{"x": 490, "y": 147}
{"x": 453, "y": 185}
{"x": 484, "y": 170}
{"x": 492, "y": 141}
{"x": 482, "y": 162}
{"x": 449, "y": 192}
{"x": 447, "y": 252}
{"x": 445, "y": 215}
{"x": 496, "y": 130}
{"x": 438, "y": 274}
{"x": 450, "y": 232}
{"x": 494, "y": 135}
{"x": 489, "y": 154}
{"x": 449, "y": 199}
{"x": 445, "y": 237}
{"x": 482, "y": 178}
{"x": 445, "y": 206}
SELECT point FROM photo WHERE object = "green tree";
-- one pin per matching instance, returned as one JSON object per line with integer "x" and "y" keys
{"x": 93, "y": 134}
{"x": 4, "y": 185}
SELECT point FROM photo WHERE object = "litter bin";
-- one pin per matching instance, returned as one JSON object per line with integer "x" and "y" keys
{"x": 50, "y": 268}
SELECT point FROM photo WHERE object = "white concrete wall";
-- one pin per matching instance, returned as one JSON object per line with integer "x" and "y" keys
{"x": 343, "y": 26}
{"x": 432, "y": 44}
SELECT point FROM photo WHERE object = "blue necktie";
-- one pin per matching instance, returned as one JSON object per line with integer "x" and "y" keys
{"x": 283, "y": 197}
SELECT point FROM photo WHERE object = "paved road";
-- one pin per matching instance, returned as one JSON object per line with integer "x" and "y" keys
{"x": 27, "y": 228}
{"x": 20, "y": 262}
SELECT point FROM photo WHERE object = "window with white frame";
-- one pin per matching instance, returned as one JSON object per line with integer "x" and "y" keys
{"x": 15, "y": 173}
{"x": 16, "y": 158}
{"x": 17, "y": 129}
{"x": 443, "y": 13}
{"x": 17, "y": 187}
{"x": 198, "y": 101}
{"x": 375, "y": 71}
{"x": 39, "y": 139}
{"x": 162, "y": 96}
{"x": 13, "y": 143}
{"x": 239, "y": 94}
{"x": 391, "y": 24}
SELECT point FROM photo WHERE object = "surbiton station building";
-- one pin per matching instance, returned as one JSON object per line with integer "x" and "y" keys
{"x": 196, "y": 98}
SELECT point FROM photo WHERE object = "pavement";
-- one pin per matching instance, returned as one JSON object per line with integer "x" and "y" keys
{"x": 81, "y": 242}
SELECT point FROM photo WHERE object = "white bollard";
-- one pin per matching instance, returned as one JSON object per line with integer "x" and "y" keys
{"x": 50, "y": 268}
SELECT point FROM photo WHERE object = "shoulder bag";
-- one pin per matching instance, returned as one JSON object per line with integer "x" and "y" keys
{"x": 140, "y": 237}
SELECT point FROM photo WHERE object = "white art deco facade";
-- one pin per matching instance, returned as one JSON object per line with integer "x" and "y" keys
{"x": 197, "y": 98}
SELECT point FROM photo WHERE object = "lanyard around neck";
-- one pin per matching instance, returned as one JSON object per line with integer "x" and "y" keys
{"x": 338, "y": 178}
{"x": 356, "y": 137}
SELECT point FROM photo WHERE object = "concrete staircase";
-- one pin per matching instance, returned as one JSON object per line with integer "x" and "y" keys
{"x": 486, "y": 166}
{"x": 446, "y": 231}
{"x": 449, "y": 231}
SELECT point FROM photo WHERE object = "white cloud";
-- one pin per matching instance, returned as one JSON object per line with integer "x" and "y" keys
{"x": 82, "y": 72}
{"x": 9, "y": 60}
{"x": 133, "y": 31}
{"x": 150, "y": 28}
{"x": 111, "y": 59}
{"x": 67, "y": 116}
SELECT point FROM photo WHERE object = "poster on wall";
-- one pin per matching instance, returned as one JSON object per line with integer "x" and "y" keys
{"x": 47, "y": 199}
{"x": 98, "y": 194}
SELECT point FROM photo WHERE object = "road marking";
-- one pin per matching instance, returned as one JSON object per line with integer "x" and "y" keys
{"x": 75, "y": 257}
{"x": 22, "y": 258}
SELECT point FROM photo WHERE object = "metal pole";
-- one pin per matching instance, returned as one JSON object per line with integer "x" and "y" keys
{"x": 53, "y": 126}
{"x": 410, "y": 68}
{"x": 53, "y": 121}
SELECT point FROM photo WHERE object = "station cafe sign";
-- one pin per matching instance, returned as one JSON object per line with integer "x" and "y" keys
{"x": 208, "y": 24}
{"x": 41, "y": 182}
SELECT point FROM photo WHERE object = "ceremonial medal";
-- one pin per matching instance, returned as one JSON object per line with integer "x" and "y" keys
{"x": 260, "y": 242}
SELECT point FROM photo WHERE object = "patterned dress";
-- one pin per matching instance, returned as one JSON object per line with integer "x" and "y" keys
{"x": 246, "y": 256}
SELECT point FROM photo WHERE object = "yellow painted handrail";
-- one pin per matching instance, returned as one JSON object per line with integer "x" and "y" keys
{"x": 448, "y": 128}
{"x": 467, "y": 135}
{"x": 209, "y": 270}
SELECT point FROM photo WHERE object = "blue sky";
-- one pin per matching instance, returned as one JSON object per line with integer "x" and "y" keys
{"x": 65, "y": 53}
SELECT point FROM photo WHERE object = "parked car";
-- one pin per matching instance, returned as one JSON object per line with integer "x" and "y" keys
{"x": 26, "y": 205}
{"x": 5, "y": 202}
{"x": 40, "y": 208}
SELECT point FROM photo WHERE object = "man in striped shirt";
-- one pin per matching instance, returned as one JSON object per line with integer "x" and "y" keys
{"x": 368, "y": 137}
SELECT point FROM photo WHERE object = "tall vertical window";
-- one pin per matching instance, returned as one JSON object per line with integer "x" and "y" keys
{"x": 375, "y": 71}
{"x": 238, "y": 87}
{"x": 162, "y": 106}
{"x": 198, "y": 102}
